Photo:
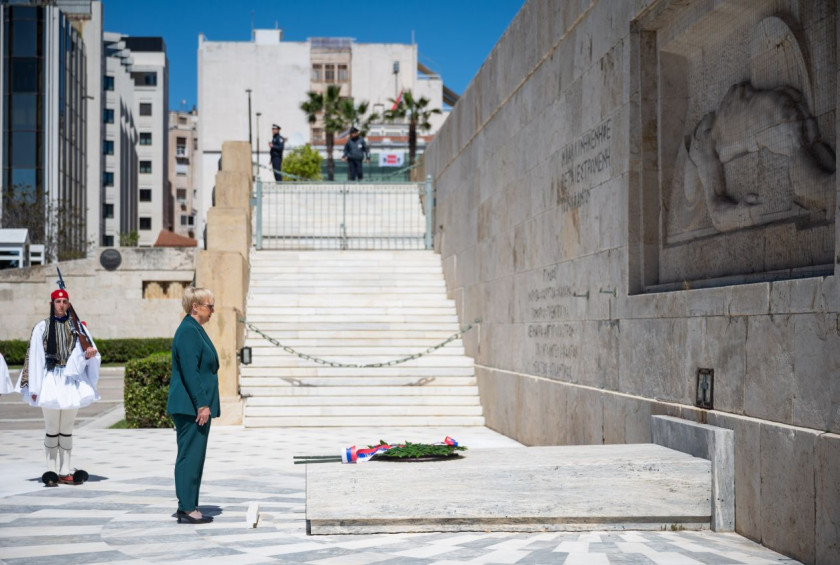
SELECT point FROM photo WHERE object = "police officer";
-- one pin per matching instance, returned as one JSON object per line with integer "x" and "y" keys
{"x": 355, "y": 150}
{"x": 276, "y": 146}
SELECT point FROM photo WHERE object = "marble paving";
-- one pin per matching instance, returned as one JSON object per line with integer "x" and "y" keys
{"x": 124, "y": 513}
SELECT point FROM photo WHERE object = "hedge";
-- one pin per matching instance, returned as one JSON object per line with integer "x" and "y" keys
{"x": 147, "y": 391}
{"x": 112, "y": 350}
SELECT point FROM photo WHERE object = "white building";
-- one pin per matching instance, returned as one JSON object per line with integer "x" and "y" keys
{"x": 183, "y": 170}
{"x": 150, "y": 75}
{"x": 119, "y": 145}
{"x": 279, "y": 74}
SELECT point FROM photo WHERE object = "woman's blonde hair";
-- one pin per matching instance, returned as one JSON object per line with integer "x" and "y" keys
{"x": 195, "y": 295}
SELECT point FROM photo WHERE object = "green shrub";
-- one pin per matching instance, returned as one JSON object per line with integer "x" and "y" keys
{"x": 112, "y": 350}
{"x": 147, "y": 391}
{"x": 122, "y": 350}
{"x": 14, "y": 351}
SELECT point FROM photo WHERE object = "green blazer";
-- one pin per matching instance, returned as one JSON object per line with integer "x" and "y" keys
{"x": 195, "y": 368}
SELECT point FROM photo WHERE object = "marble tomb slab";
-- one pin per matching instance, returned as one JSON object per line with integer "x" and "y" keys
{"x": 556, "y": 488}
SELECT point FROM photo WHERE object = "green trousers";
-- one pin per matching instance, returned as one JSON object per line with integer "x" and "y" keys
{"x": 189, "y": 465}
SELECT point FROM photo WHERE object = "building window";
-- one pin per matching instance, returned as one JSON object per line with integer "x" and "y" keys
{"x": 145, "y": 108}
{"x": 108, "y": 147}
{"x": 181, "y": 194}
{"x": 146, "y": 167}
{"x": 107, "y": 240}
{"x": 109, "y": 86}
{"x": 107, "y": 211}
{"x": 144, "y": 78}
{"x": 108, "y": 116}
{"x": 180, "y": 146}
{"x": 182, "y": 120}
{"x": 145, "y": 195}
{"x": 108, "y": 178}
{"x": 145, "y": 224}
{"x": 145, "y": 138}
{"x": 343, "y": 73}
{"x": 187, "y": 220}
{"x": 317, "y": 73}
{"x": 329, "y": 73}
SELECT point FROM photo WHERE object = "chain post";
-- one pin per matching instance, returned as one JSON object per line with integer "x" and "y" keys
{"x": 429, "y": 208}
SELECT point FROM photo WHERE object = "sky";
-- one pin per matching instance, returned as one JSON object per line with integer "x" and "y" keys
{"x": 453, "y": 37}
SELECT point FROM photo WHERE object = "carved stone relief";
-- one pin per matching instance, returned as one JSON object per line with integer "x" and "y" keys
{"x": 758, "y": 157}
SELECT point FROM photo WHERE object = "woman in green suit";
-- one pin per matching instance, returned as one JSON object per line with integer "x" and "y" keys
{"x": 193, "y": 399}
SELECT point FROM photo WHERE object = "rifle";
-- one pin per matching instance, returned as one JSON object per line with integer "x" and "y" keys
{"x": 75, "y": 325}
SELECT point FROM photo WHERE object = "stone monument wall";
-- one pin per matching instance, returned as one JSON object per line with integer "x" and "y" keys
{"x": 638, "y": 200}
{"x": 138, "y": 295}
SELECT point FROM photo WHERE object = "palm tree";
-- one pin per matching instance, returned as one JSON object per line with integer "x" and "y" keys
{"x": 328, "y": 106}
{"x": 357, "y": 115}
{"x": 418, "y": 114}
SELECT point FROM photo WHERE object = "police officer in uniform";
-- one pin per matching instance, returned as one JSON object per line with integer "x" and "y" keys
{"x": 276, "y": 146}
{"x": 355, "y": 150}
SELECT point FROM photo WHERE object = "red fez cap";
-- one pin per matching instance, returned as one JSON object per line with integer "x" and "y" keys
{"x": 60, "y": 293}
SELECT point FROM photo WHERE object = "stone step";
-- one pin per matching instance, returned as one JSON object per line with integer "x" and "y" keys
{"x": 323, "y": 371}
{"x": 338, "y": 316}
{"x": 293, "y": 380}
{"x": 352, "y": 310}
{"x": 350, "y": 409}
{"x": 283, "y": 359}
{"x": 458, "y": 394}
{"x": 263, "y": 351}
{"x": 257, "y": 303}
{"x": 354, "y": 307}
{"x": 427, "y": 337}
{"x": 399, "y": 327}
{"x": 342, "y": 291}
{"x": 363, "y": 400}
{"x": 383, "y": 422}
{"x": 336, "y": 258}
{"x": 352, "y": 275}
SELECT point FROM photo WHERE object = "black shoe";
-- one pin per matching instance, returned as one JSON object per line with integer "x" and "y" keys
{"x": 185, "y": 518}
{"x": 50, "y": 479}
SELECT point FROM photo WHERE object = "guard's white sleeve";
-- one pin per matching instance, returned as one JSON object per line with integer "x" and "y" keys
{"x": 37, "y": 362}
{"x": 80, "y": 369}
{"x": 5, "y": 380}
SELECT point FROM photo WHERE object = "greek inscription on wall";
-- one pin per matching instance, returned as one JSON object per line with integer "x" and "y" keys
{"x": 553, "y": 346}
{"x": 583, "y": 163}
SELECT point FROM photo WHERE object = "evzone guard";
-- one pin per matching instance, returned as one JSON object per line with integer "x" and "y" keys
{"x": 60, "y": 375}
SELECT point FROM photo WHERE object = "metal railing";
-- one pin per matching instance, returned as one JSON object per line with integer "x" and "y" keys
{"x": 329, "y": 215}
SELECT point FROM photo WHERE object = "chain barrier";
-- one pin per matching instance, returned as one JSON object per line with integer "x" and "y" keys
{"x": 329, "y": 363}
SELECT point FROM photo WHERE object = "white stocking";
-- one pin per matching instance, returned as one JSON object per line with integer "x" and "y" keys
{"x": 52, "y": 420}
{"x": 65, "y": 440}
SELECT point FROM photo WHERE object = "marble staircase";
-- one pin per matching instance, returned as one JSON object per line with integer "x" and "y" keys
{"x": 354, "y": 307}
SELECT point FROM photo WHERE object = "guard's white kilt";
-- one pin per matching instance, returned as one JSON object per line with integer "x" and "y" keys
{"x": 61, "y": 392}
{"x": 5, "y": 380}
{"x": 63, "y": 388}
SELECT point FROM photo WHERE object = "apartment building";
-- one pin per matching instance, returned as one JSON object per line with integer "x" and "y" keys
{"x": 150, "y": 77}
{"x": 183, "y": 149}
{"x": 43, "y": 128}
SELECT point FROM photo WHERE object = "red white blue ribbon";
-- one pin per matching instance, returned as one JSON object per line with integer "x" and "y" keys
{"x": 353, "y": 455}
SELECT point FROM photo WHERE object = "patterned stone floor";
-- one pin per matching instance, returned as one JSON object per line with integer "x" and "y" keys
{"x": 124, "y": 513}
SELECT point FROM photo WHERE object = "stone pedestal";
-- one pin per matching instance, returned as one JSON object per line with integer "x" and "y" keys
{"x": 229, "y": 229}
{"x": 224, "y": 269}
